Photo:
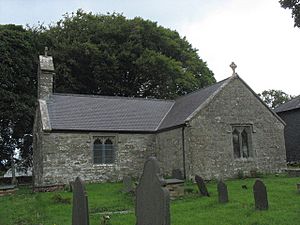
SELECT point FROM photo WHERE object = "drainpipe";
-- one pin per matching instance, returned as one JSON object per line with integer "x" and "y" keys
{"x": 183, "y": 152}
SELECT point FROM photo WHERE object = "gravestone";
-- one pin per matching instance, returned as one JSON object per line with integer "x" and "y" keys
{"x": 177, "y": 174}
{"x": 260, "y": 195}
{"x": 80, "y": 213}
{"x": 222, "y": 192}
{"x": 152, "y": 199}
{"x": 127, "y": 184}
{"x": 175, "y": 187}
{"x": 201, "y": 186}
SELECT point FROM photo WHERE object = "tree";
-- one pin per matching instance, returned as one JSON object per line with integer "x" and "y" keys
{"x": 17, "y": 89}
{"x": 93, "y": 54}
{"x": 294, "y": 5}
{"x": 274, "y": 98}
{"x": 112, "y": 55}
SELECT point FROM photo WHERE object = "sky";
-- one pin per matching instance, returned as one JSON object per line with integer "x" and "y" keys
{"x": 258, "y": 35}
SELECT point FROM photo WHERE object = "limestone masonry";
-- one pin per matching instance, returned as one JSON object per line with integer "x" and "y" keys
{"x": 216, "y": 132}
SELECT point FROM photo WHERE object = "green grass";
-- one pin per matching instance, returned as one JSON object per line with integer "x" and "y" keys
{"x": 26, "y": 208}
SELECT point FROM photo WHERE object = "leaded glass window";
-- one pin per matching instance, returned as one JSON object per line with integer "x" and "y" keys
{"x": 104, "y": 150}
{"x": 241, "y": 141}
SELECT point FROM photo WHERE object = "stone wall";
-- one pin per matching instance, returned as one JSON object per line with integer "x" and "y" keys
{"x": 59, "y": 157}
{"x": 169, "y": 150}
{"x": 292, "y": 134}
{"x": 210, "y": 135}
{"x": 37, "y": 146}
{"x": 45, "y": 76}
{"x": 68, "y": 155}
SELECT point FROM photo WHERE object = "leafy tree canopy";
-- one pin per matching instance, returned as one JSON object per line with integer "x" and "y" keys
{"x": 93, "y": 54}
{"x": 274, "y": 98}
{"x": 294, "y": 5}
{"x": 17, "y": 88}
{"x": 112, "y": 55}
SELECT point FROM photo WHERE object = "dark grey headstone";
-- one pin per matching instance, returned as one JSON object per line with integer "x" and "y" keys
{"x": 260, "y": 195}
{"x": 152, "y": 199}
{"x": 80, "y": 213}
{"x": 127, "y": 184}
{"x": 222, "y": 192}
{"x": 201, "y": 185}
{"x": 177, "y": 174}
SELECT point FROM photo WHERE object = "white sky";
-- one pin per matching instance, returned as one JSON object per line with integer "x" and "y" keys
{"x": 258, "y": 35}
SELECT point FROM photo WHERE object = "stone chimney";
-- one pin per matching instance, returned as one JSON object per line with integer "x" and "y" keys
{"x": 45, "y": 76}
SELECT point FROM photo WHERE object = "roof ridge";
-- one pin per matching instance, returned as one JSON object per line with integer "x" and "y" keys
{"x": 211, "y": 97}
{"x": 113, "y": 97}
{"x": 188, "y": 104}
{"x": 202, "y": 88}
{"x": 293, "y": 99}
{"x": 135, "y": 98}
{"x": 295, "y": 102}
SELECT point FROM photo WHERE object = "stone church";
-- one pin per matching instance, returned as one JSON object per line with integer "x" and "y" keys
{"x": 218, "y": 131}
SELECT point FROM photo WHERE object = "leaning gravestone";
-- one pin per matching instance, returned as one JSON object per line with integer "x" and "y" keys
{"x": 177, "y": 174}
{"x": 201, "y": 185}
{"x": 222, "y": 192}
{"x": 152, "y": 199}
{"x": 127, "y": 184}
{"x": 260, "y": 195}
{"x": 80, "y": 213}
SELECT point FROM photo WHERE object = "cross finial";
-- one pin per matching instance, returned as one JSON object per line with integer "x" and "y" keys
{"x": 233, "y": 67}
{"x": 46, "y": 51}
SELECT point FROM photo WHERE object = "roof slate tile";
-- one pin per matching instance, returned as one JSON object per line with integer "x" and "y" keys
{"x": 112, "y": 113}
{"x": 290, "y": 105}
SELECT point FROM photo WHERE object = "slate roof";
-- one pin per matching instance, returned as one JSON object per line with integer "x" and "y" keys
{"x": 290, "y": 105}
{"x": 104, "y": 113}
{"x": 111, "y": 113}
{"x": 185, "y": 105}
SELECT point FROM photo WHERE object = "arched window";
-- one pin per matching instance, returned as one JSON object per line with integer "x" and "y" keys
{"x": 236, "y": 144}
{"x": 245, "y": 146}
{"x": 109, "y": 151}
{"x": 241, "y": 141}
{"x": 103, "y": 150}
{"x": 98, "y": 153}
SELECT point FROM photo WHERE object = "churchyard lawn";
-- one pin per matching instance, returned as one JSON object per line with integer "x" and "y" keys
{"x": 27, "y": 208}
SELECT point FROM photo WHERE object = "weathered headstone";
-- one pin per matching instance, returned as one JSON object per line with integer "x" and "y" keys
{"x": 177, "y": 174}
{"x": 152, "y": 199}
{"x": 260, "y": 195}
{"x": 175, "y": 187}
{"x": 222, "y": 192}
{"x": 80, "y": 213}
{"x": 127, "y": 184}
{"x": 201, "y": 185}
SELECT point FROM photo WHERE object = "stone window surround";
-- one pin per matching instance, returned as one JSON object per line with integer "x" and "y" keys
{"x": 113, "y": 137}
{"x": 250, "y": 141}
